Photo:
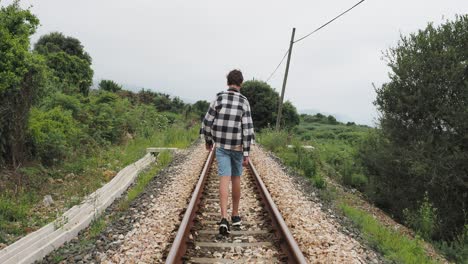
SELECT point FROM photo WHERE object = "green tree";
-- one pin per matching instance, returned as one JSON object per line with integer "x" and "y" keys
{"x": 332, "y": 120}
{"x": 110, "y": 86}
{"x": 200, "y": 108}
{"x": 423, "y": 144}
{"x": 21, "y": 80}
{"x": 69, "y": 63}
{"x": 163, "y": 102}
{"x": 56, "y": 42}
{"x": 263, "y": 102}
{"x": 54, "y": 134}
{"x": 289, "y": 117}
{"x": 264, "y": 105}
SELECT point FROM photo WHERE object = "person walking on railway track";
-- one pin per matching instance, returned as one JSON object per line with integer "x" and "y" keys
{"x": 229, "y": 127}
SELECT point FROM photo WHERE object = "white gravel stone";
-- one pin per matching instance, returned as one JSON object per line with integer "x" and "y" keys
{"x": 158, "y": 224}
{"x": 316, "y": 233}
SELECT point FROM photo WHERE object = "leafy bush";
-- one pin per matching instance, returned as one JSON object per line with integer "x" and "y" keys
{"x": 457, "y": 249}
{"x": 319, "y": 181}
{"x": 10, "y": 211}
{"x": 273, "y": 140}
{"x": 358, "y": 180}
{"x": 144, "y": 120}
{"x": 54, "y": 133}
{"x": 424, "y": 220}
{"x": 110, "y": 86}
{"x": 67, "y": 102}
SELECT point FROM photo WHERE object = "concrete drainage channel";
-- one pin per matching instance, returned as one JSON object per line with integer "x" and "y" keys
{"x": 35, "y": 246}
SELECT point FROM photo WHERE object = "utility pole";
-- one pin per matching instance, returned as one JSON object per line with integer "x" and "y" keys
{"x": 280, "y": 104}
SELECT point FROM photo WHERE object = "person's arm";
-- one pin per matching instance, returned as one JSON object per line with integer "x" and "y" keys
{"x": 247, "y": 131}
{"x": 207, "y": 124}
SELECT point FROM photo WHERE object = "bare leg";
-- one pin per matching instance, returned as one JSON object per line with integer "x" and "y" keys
{"x": 223, "y": 194}
{"x": 236, "y": 194}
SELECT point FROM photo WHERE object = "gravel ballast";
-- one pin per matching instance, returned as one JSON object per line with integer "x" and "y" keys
{"x": 316, "y": 232}
{"x": 155, "y": 225}
{"x": 142, "y": 233}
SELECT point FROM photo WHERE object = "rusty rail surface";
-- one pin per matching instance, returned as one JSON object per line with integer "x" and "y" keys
{"x": 287, "y": 242}
{"x": 180, "y": 242}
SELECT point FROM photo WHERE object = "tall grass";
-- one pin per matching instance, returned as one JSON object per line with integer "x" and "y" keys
{"x": 273, "y": 140}
{"x": 392, "y": 244}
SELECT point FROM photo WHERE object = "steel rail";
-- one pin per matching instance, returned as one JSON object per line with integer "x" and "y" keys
{"x": 287, "y": 241}
{"x": 179, "y": 246}
{"x": 289, "y": 244}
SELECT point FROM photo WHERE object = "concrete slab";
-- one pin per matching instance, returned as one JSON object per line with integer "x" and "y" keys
{"x": 38, "y": 244}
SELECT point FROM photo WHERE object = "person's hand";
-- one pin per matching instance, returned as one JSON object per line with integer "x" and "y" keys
{"x": 208, "y": 147}
{"x": 245, "y": 163}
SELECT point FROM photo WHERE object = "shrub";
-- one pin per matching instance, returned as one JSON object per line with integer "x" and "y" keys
{"x": 456, "y": 250}
{"x": 273, "y": 140}
{"x": 110, "y": 86}
{"x": 319, "y": 181}
{"x": 358, "y": 180}
{"x": 424, "y": 220}
{"x": 144, "y": 120}
{"x": 54, "y": 133}
{"x": 67, "y": 102}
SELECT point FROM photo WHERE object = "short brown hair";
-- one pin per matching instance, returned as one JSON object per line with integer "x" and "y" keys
{"x": 235, "y": 77}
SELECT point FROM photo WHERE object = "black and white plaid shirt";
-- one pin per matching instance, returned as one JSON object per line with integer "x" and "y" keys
{"x": 228, "y": 122}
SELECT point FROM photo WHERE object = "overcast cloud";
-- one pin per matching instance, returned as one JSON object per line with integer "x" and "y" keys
{"x": 185, "y": 48}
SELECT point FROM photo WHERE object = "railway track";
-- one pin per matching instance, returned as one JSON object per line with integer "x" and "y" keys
{"x": 262, "y": 238}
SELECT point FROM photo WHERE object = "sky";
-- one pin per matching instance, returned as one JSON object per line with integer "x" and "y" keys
{"x": 186, "y": 48}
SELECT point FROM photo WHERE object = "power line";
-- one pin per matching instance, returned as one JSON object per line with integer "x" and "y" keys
{"x": 279, "y": 64}
{"x": 322, "y": 26}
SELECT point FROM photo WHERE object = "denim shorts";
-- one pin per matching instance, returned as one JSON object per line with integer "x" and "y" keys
{"x": 229, "y": 162}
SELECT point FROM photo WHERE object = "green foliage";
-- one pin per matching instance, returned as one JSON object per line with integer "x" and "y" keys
{"x": 9, "y": 211}
{"x": 96, "y": 227}
{"x": 163, "y": 159}
{"x": 289, "y": 116}
{"x": 303, "y": 160}
{"x": 69, "y": 63}
{"x": 263, "y": 102}
{"x": 67, "y": 102}
{"x": 56, "y": 42}
{"x": 200, "y": 108}
{"x": 161, "y": 101}
{"x": 332, "y": 120}
{"x": 13, "y": 214}
{"x": 21, "y": 80}
{"x": 16, "y": 26}
{"x": 264, "y": 105}
{"x": 54, "y": 133}
{"x": 457, "y": 249}
{"x": 423, "y": 144}
{"x": 319, "y": 181}
{"x": 72, "y": 73}
{"x": 320, "y": 118}
{"x": 273, "y": 140}
{"x": 392, "y": 244}
{"x": 424, "y": 220}
{"x": 110, "y": 86}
